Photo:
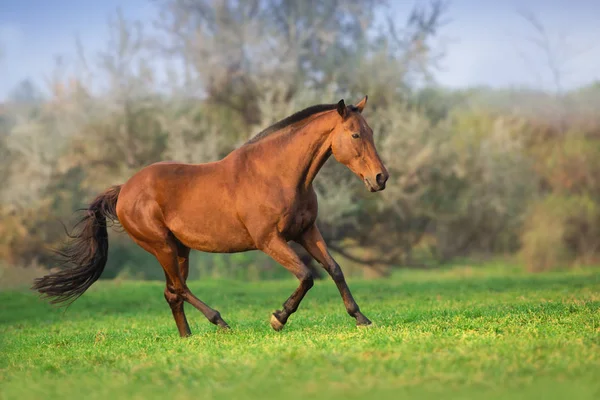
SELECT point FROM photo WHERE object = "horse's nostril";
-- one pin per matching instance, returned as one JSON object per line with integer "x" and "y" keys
{"x": 380, "y": 178}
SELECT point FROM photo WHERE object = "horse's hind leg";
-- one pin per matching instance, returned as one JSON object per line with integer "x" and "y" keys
{"x": 144, "y": 224}
{"x": 183, "y": 256}
{"x": 166, "y": 250}
{"x": 176, "y": 301}
{"x": 167, "y": 255}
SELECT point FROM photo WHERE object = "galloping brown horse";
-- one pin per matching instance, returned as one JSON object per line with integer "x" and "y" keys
{"x": 260, "y": 196}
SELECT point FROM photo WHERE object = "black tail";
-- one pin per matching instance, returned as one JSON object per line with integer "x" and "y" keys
{"x": 85, "y": 255}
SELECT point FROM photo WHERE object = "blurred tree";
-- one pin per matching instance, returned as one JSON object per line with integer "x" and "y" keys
{"x": 26, "y": 92}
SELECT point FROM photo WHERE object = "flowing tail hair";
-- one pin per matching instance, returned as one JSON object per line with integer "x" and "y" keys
{"x": 84, "y": 257}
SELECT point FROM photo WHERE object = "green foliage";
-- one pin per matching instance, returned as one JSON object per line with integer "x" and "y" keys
{"x": 494, "y": 333}
{"x": 562, "y": 230}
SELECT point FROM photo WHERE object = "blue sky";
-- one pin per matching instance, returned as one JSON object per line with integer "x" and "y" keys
{"x": 485, "y": 40}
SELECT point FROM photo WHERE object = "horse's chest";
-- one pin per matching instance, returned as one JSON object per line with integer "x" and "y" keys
{"x": 296, "y": 220}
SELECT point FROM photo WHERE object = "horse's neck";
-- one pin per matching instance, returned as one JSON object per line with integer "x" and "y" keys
{"x": 321, "y": 151}
{"x": 298, "y": 155}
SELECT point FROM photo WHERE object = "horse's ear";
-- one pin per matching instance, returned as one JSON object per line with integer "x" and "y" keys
{"x": 361, "y": 104}
{"x": 341, "y": 108}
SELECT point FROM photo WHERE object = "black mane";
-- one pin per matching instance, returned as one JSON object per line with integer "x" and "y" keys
{"x": 292, "y": 119}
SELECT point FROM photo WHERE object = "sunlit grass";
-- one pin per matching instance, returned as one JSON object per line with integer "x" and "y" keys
{"x": 454, "y": 333}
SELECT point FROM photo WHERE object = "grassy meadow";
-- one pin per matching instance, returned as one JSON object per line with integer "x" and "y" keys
{"x": 460, "y": 332}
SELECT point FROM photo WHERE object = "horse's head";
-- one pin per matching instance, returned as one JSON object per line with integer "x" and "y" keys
{"x": 353, "y": 146}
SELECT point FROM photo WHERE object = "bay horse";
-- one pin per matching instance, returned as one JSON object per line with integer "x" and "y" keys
{"x": 258, "y": 197}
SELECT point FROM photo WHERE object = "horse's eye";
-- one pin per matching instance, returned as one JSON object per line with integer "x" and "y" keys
{"x": 355, "y": 135}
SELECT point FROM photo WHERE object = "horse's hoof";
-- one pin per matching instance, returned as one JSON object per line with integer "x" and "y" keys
{"x": 222, "y": 325}
{"x": 363, "y": 321}
{"x": 275, "y": 324}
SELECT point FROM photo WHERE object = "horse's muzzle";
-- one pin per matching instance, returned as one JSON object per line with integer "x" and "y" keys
{"x": 377, "y": 184}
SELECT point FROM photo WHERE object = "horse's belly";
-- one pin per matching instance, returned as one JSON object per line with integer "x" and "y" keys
{"x": 212, "y": 233}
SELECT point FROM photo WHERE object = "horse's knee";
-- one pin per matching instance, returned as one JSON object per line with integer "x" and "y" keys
{"x": 307, "y": 279}
{"x": 336, "y": 272}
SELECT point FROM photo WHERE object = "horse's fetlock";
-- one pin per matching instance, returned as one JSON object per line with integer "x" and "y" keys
{"x": 216, "y": 317}
{"x": 353, "y": 310}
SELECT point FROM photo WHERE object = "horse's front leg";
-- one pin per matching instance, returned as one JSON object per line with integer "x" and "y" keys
{"x": 313, "y": 242}
{"x": 281, "y": 252}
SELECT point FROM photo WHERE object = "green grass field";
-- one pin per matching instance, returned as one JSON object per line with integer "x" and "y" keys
{"x": 454, "y": 333}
